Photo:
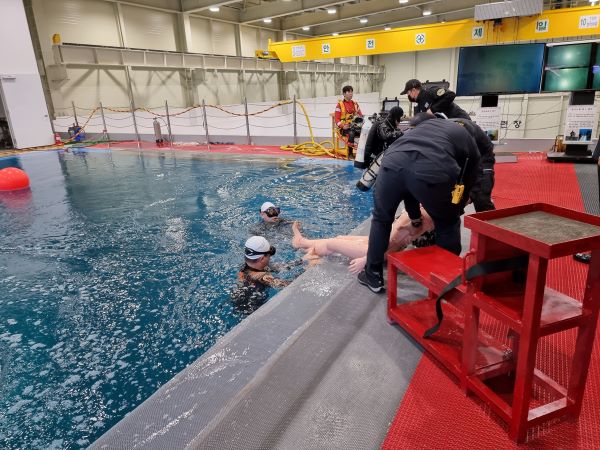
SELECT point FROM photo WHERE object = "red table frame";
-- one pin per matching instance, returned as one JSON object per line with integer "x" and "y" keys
{"x": 529, "y": 311}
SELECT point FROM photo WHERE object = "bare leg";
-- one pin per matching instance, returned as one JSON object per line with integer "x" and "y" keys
{"x": 353, "y": 248}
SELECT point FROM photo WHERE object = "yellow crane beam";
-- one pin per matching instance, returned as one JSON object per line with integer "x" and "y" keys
{"x": 551, "y": 24}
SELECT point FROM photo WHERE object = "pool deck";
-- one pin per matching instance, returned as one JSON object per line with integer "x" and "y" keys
{"x": 316, "y": 367}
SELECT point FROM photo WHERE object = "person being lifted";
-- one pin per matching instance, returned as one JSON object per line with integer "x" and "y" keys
{"x": 345, "y": 112}
{"x": 435, "y": 99}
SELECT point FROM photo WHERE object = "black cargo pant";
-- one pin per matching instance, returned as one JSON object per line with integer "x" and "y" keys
{"x": 395, "y": 186}
{"x": 351, "y": 133}
{"x": 481, "y": 194}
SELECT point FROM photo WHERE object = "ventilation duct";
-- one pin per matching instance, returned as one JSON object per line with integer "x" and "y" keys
{"x": 514, "y": 8}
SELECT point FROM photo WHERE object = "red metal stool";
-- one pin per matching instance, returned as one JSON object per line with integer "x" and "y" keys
{"x": 499, "y": 374}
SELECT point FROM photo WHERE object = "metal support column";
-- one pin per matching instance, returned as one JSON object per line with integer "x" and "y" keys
{"x": 137, "y": 133}
{"x": 104, "y": 131}
{"x": 247, "y": 121}
{"x": 205, "y": 123}
{"x": 295, "y": 121}
{"x": 169, "y": 125}
{"x": 74, "y": 113}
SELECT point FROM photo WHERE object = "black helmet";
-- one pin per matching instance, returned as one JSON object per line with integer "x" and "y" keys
{"x": 395, "y": 114}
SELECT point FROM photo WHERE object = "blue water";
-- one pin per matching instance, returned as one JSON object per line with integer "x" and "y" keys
{"x": 115, "y": 274}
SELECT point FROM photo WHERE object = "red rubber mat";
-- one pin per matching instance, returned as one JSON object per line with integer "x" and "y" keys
{"x": 435, "y": 414}
{"x": 214, "y": 148}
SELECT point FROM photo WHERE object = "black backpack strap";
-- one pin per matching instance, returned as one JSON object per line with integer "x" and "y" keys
{"x": 478, "y": 270}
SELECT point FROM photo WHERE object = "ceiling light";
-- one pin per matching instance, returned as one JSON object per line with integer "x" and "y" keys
{"x": 214, "y": 9}
{"x": 335, "y": 34}
{"x": 364, "y": 20}
{"x": 403, "y": 2}
{"x": 331, "y": 10}
{"x": 426, "y": 12}
{"x": 267, "y": 20}
{"x": 306, "y": 28}
{"x": 387, "y": 28}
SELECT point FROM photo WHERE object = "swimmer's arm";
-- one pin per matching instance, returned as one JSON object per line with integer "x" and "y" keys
{"x": 273, "y": 282}
{"x": 286, "y": 266}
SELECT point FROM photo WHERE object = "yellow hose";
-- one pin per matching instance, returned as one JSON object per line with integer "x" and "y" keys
{"x": 312, "y": 147}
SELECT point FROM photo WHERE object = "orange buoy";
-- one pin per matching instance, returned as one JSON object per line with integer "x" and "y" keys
{"x": 13, "y": 179}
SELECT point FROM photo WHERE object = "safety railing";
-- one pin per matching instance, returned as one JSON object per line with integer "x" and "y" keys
{"x": 287, "y": 120}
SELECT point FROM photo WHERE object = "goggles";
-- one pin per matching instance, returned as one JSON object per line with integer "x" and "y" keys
{"x": 272, "y": 211}
{"x": 251, "y": 252}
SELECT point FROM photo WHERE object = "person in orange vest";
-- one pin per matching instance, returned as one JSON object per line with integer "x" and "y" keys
{"x": 345, "y": 112}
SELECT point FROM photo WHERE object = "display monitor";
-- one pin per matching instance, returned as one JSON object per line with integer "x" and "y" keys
{"x": 500, "y": 69}
{"x": 566, "y": 56}
{"x": 574, "y": 79}
{"x": 389, "y": 104}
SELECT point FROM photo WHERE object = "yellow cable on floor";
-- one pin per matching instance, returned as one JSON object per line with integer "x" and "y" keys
{"x": 312, "y": 147}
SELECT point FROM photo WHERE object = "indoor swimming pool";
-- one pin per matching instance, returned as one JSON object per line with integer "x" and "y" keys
{"x": 116, "y": 270}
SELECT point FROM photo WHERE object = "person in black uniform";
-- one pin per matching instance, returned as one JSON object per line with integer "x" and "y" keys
{"x": 383, "y": 132}
{"x": 481, "y": 193}
{"x": 586, "y": 258}
{"x": 436, "y": 99}
{"x": 421, "y": 167}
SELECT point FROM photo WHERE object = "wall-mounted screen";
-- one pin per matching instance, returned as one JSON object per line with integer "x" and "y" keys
{"x": 573, "y": 79}
{"x": 500, "y": 69}
{"x": 562, "y": 56}
{"x": 596, "y": 79}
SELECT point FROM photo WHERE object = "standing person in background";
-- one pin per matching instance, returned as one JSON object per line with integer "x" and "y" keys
{"x": 345, "y": 112}
{"x": 436, "y": 99}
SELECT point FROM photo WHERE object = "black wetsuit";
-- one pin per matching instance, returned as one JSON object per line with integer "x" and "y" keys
{"x": 280, "y": 230}
{"x": 253, "y": 286}
{"x": 381, "y": 135}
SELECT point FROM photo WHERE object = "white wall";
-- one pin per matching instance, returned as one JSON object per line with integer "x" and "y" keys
{"x": 20, "y": 82}
{"x": 96, "y": 22}
{"x": 150, "y": 29}
{"x": 90, "y": 22}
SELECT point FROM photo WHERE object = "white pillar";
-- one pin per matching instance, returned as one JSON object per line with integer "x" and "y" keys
{"x": 20, "y": 83}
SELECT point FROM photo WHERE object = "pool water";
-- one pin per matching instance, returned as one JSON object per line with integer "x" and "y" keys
{"x": 116, "y": 270}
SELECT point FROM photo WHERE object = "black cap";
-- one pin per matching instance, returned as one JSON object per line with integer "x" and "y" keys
{"x": 411, "y": 84}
